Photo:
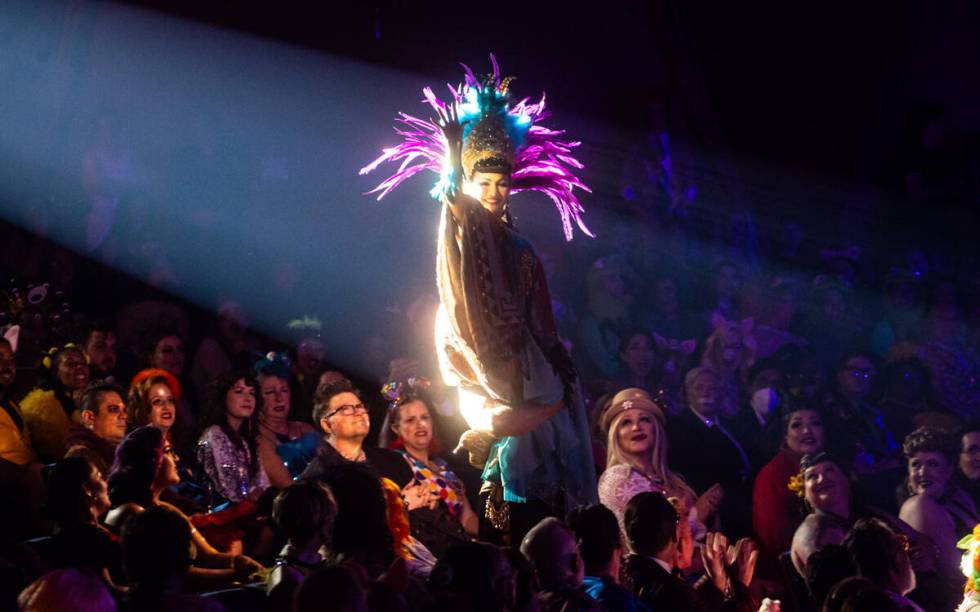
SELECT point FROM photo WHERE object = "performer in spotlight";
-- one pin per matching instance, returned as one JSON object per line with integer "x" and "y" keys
{"x": 495, "y": 334}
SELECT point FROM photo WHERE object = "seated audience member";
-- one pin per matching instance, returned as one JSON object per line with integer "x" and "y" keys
{"x": 360, "y": 530}
{"x": 164, "y": 350}
{"x": 153, "y": 398}
{"x": 864, "y": 437}
{"x": 882, "y": 556}
{"x": 305, "y": 511}
{"x": 340, "y": 585}
{"x": 50, "y": 409}
{"x": 440, "y": 514}
{"x": 285, "y": 447}
{"x": 102, "y": 427}
{"x": 343, "y": 419}
{"x": 968, "y": 474}
{"x": 227, "y": 346}
{"x": 606, "y": 317}
{"x": 526, "y": 598}
{"x": 908, "y": 400}
{"x": 730, "y": 352}
{"x": 936, "y": 508}
{"x": 15, "y": 439}
{"x": 601, "y": 546}
{"x": 77, "y": 498}
{"x": 636, "y": 458}
{"x": 227, "y": 450}
{"x": 651, "y": 532}
{"x": 706, "y": 453}
{"x": 76, "y": 589}
{"x": 20, "y": 473}
{"x": 757, "y": 426}
{"x": 473, "y": 576}
{"x": 145, "y": 467}
{"x": 100, "y": 349}
{"x": 952, "y": 363}
{"x": 825, "y": 568}
{"x": 826, "y": 489}
{"x": 776, "y": 510}
{"x": 156, "y": 548}
{"x": 638, "y": 360}
{"x": 551, "y": 548}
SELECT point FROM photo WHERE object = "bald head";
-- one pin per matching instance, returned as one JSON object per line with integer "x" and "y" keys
{"x": 551, "y": 548}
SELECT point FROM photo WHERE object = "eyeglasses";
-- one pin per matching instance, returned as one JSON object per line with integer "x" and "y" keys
{"x": 348, "y": 410}
{"x": 859, "y": 373}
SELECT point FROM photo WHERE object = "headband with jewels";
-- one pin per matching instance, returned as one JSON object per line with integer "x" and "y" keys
{"x": 396, "y": 391}
{"x": 498, "y": 136}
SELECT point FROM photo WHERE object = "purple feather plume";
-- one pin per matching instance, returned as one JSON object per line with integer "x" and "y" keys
{"x": 543, "y": 163}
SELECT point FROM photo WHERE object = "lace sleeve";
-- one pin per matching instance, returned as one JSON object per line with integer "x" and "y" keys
{"x": 618, "y": 485}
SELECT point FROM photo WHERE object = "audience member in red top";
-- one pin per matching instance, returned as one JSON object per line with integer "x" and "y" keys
{"x": 777, "y": 511}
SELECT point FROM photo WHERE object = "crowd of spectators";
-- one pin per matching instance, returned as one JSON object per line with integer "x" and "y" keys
{"x": 770, "y": 433}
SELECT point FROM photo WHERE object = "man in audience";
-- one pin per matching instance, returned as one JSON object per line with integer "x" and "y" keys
{"x": 597, "y": 532}
{"x": 651, "y": 530}
{"x": 705, "y": 451}
{"x": 103, "y": 425}
{"x": 305, "y": 511}
{"x": 550, "y": 547}
{"x": 100, "y": 348}
{"x": 882, "y": 556}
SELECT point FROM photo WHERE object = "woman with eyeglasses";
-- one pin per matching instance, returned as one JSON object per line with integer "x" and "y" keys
{"x": 228, "y": 447}
{"x": 145, "y": 467}
{"x": 344, "y": 420}
{"x": 861, "y": 434}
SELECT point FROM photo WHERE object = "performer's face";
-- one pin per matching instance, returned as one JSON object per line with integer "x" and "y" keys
{"x": 492, "y": 190}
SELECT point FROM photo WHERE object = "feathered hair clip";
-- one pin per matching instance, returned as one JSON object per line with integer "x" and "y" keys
{"x": 499, "y": 135}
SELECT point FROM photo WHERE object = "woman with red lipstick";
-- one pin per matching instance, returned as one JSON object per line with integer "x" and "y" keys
{"x": 439, "y": 513}
{"x": 637, "y": 455}
{"x": 776, "y": 510}
{"x": 937, "y": 507}
{"x": 228, "y": 447}
{"x": 285, "y": 447}
{"x": 153, "y": 397}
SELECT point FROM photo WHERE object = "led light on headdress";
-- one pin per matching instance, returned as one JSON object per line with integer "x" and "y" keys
{"x": 497, "y": 137}
{"x": 396, "y": 391}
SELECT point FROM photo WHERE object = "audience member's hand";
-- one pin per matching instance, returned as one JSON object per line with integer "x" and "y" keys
{"x": 244, "y": 567}
{"x": 742, "y": 558}
{"x": 714, "y": 554}
{"x": 417, "y": 495}
{"x": 709, "y": 502}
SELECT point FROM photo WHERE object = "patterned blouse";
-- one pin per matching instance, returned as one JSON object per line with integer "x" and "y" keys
{"x": 443, "y": 482}
{"x": 227, "y": 465}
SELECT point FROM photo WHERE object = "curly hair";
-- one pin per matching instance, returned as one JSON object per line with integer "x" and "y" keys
{"x": 926, "y": 440}
{"x": 215, "y": 413}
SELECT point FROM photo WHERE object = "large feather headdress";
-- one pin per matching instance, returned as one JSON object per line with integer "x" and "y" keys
{"x": 497, "y": 136}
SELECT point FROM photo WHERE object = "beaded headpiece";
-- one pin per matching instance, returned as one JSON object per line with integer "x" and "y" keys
{"x": 497, "y": 137}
